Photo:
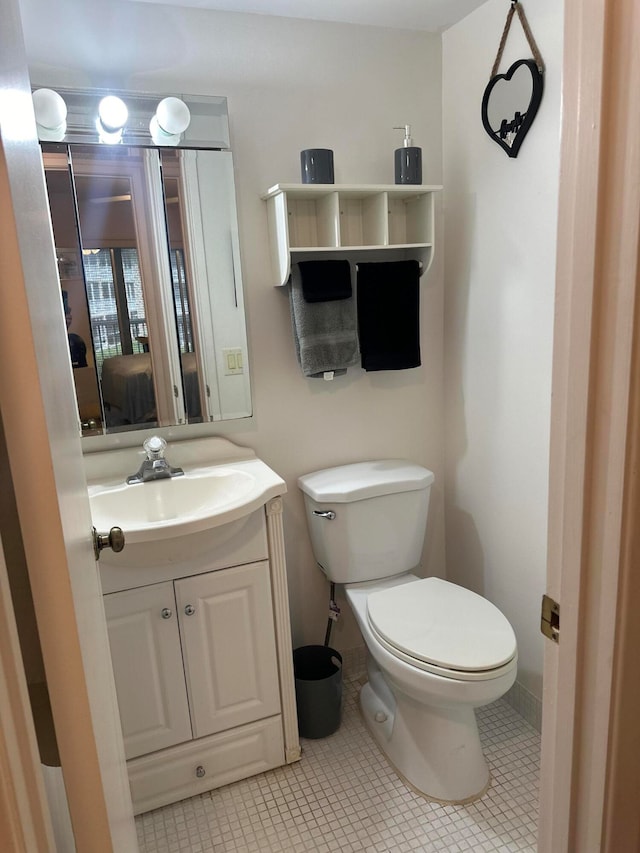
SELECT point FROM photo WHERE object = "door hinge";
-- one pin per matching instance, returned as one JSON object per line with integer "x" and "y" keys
{"x": 550, "y": 619}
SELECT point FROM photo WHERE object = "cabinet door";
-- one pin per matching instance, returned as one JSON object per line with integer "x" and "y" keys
{"x": 229, "y": 649}
{"x": 147, "y": 664}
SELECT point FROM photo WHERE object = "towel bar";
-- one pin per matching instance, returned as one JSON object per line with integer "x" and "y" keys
{"x": 420, "y": 265}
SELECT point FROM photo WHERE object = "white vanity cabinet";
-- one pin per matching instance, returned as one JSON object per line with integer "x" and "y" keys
{"x": 193, "y": 657}
{"x": 201, "y": 651}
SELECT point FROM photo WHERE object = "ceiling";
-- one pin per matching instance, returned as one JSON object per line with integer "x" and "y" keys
{"x": 432, "y": 15}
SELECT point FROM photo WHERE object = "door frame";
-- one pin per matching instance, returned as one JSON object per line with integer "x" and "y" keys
{"x": 593, "y": 381}
{"x": 25, "y": 824}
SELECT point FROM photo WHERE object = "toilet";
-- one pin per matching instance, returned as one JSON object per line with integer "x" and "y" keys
{"x": 436, "y": 650}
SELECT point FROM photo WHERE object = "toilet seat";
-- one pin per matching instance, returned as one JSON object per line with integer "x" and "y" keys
{"x": 442, "y": 628}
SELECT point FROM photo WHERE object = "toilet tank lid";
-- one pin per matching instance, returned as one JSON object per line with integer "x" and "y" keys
{"x": 362, "y": 480}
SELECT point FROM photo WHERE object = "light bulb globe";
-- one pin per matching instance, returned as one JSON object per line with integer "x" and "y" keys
{"x": 173, "y": 115}
{"x": 113, "y": 113}
{"x": 50, "y": 108}
{"x": 159, "y": 136}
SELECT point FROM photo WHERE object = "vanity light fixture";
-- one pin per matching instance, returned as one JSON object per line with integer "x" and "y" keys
{"x": 172, "y": 117}
{"x": 99, "y": 116}
{"x": 51, "y": 114}
{"x": 112, "y": 117}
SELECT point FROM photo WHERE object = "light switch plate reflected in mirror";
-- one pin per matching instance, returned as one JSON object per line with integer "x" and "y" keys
{"x": 233, "y": 361}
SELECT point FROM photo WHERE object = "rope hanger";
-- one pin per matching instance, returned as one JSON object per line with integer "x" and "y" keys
{"x": 517, "y": 7}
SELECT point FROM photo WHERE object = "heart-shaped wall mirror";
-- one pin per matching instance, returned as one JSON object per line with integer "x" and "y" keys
{"x": 510, "y": 104}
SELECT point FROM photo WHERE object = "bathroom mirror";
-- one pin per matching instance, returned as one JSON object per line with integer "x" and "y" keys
{"x": 147, "y": 247}
{"x": 510, "y": 104}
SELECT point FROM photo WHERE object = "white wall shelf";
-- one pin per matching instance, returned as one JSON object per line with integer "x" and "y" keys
{"x": 341, "y": 218}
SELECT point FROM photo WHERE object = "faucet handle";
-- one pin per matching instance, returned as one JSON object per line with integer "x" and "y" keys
{"x": 154, "y": 447}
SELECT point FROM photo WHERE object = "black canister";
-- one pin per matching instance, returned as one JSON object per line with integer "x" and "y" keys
{"x": 316, "y": 166}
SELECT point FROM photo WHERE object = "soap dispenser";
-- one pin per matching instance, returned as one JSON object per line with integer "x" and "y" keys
{"x": 408, "y": 160}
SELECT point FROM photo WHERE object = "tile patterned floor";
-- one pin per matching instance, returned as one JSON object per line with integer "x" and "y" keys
{"x": 342, "y": 796}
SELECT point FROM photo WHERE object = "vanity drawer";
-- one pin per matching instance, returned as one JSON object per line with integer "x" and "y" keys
{"x": 189, "y": 769}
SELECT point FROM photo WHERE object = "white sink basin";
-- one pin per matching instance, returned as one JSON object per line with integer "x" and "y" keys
{"x": 203, "y": 498}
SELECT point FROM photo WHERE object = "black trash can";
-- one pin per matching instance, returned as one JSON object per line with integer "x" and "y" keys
{"x": 318, "y": 675}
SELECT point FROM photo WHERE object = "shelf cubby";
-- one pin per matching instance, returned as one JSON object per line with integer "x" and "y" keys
{"x": 313, "y": 222}
{"x": 310, "y": 218}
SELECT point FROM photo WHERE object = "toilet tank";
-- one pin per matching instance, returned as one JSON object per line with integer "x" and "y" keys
{"x": 367, "y": 520}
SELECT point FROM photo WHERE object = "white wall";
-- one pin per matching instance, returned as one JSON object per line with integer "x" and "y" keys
{"x": 291, "y": 85}
{"x": 500, "y": 225}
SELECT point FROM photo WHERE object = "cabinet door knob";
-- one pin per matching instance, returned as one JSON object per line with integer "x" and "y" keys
{"x": 166, "y": 613}
{"x": 189, "y": 610}
{"x": 200, "y": 771}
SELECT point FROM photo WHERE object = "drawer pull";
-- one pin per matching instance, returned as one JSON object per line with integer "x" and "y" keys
{"x": 189, "y": 610}
{"x": 166, "y": 613}
{"x": 200, "y": 771}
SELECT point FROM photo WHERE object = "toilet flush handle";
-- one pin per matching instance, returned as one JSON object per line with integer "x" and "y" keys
{"x": 330, "y": 514}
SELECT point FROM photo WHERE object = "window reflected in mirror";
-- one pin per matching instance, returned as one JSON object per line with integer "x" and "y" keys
{"x": 119, "y": 333}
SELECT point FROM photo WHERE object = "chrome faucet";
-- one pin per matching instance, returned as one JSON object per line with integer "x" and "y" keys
{"x": 155, "y": 466}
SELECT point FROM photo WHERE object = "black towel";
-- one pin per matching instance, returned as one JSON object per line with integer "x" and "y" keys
{"x": 388, "y": 298}
{"x": 325, "y": 281}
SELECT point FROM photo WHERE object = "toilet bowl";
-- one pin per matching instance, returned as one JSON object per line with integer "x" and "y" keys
{"x": 436, "y": 650}
{"x": 420, "y": 713}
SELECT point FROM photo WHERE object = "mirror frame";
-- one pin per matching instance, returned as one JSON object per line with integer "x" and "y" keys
{"x": 532, "y": 109}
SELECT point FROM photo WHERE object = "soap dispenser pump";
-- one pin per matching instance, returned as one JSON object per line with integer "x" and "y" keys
{"x": 408, "y": 160}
